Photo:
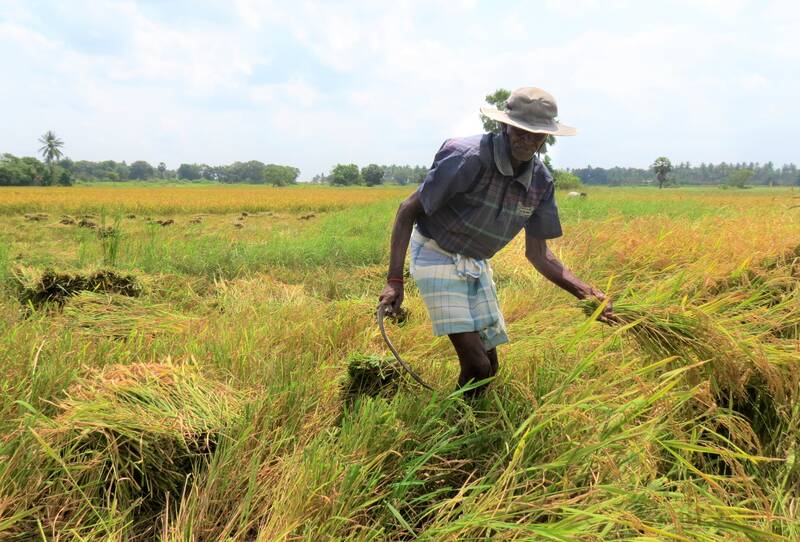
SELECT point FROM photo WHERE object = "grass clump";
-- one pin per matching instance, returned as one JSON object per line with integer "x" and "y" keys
{"x": 127, "y": 440}
{"x": 39, "y": 287}
{"x": 371, "y": 375}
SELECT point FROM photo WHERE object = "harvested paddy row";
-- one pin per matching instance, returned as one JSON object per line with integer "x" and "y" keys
{"x": 251, "y": 398}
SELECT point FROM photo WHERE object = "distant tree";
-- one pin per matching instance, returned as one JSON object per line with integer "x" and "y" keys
{"x": 564, "y": 180}
{"x": 662, "y": 166}
{"x": 319, "y": 178}
{"x": 797, "y": 181}
{"x": 496, "y": 99}
{"x": 345, "y": 175}
{"x": 372, "y": 175}
{"x": 67, "y": 164}
{"x": 190, "y": 172}
{"x": 140, "y": 170}
{"x": 26, "y": 171}
{"x": 592, "y": 175}
{"x": 740, "y": 177}
{"x": 122, "y": 170}
{"x": 50, "y": 151}
{"x": 65, "y": 178}
{"x": 280, "y": 175}
{"x": 245, "y": 172}
{"x": 162, "y": 170}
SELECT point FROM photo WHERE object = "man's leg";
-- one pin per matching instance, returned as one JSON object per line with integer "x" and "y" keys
{"x": 476, "y": 363}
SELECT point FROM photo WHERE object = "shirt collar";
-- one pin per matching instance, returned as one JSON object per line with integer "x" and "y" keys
{"x": 502, "y": 159}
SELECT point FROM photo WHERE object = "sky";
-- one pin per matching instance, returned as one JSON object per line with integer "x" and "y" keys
{"x": 312, "y": 84}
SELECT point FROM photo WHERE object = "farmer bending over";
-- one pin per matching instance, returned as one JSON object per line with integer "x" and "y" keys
{"x": 478, "y": 194}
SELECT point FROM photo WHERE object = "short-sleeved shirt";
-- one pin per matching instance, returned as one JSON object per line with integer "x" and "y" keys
{"x": 474, "y": 205}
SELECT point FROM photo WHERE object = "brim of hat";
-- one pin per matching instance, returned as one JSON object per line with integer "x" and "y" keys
{"x": 502, "y": 116}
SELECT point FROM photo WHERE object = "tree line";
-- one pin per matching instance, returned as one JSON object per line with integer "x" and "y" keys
{"x": 57, "y": 169}
{"x": 685, "y": 173}
{"x": 371, "y": 175}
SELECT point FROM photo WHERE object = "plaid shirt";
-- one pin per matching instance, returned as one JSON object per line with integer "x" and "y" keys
{"x": 473, "y": 203}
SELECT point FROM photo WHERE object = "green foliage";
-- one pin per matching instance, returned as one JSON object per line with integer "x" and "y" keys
{"x": 280, "y": 175}
{"x": 496, "y": 99}
{"x": 564, "y": 180}
{"x": 25, "y": 171}
{"x": 372, "y": 175}
{"x": 162, "y": 170}
{"x": 740, "y": 178}
{"x": 65, "y": 178}
{"x": 141, "y": 170}
{"x": 345, "y": 175}
{"x": 406, "y": 174}
{"x": 189, "y": 172}
{"x": 661, "y": 167}
{"x": 251, "y": 171}
{"x": 686, "y": 173}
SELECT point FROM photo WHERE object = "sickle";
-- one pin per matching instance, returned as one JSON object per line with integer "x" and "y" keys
{"x": 380, "y": 316}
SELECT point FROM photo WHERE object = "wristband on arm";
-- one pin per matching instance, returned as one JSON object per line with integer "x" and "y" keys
{"x": 394, "y": 280}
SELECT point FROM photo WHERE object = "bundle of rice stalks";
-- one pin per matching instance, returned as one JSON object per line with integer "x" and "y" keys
{"x": 36, "y": 217}
{"x": 86, "y": 223}
{"x": 38, "y": 287}
{"x": 371, "y": 375}
{"x": 67, "y": 220}
{"x": 128, "y": 439}
{"x": 118, "y": 316}
{"x": 660, "y": 332}
{"x": 738, "y": 362}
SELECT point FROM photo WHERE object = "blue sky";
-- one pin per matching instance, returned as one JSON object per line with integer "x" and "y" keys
{"x": 313, "y": 84}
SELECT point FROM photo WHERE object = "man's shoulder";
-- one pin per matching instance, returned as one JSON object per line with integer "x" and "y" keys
{"x": 468, "y": 145}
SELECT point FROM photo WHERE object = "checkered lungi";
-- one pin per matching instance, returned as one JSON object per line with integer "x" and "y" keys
{"x": 458, "y": 291}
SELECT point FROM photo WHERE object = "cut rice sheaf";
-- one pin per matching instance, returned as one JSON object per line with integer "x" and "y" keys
{"x": 39, "y": 287}
{"x": 134, "y": 435}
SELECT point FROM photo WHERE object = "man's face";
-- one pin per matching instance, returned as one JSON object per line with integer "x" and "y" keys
{"x": 523, "y": 144}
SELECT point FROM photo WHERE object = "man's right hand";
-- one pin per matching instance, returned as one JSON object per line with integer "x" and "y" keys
{"x": 392, "y": 297}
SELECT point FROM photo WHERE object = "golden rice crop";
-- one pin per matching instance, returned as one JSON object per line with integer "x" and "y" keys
{"x": 211, "y": 199}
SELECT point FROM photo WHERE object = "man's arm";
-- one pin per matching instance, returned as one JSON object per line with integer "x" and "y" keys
{"x": 556, "y": 272}
{"x": 407, "y": 213}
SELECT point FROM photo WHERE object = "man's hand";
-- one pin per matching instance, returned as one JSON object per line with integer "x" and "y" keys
{"x": 392, "y": 297}
{"x": 607, "y": 316}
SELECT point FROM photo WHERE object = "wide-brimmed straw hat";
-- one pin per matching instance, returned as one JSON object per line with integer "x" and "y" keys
{"x": 531, "y": 109}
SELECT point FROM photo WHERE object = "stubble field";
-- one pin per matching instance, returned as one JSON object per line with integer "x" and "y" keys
{"x": 189, "y": 381}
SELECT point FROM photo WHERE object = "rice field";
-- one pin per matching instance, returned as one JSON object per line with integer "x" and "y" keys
{"x": 192, "y": 377}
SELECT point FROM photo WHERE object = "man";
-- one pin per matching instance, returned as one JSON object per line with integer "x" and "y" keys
{"x": 480, "y": 192}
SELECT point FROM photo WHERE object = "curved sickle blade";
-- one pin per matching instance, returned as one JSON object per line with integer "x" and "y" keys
{"x": 380, "y": 316}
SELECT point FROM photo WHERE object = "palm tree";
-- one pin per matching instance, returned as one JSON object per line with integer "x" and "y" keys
{"x": 50, "y": 150}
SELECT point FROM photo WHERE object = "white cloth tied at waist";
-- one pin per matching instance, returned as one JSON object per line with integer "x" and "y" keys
{"x": 466, "y": 266}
